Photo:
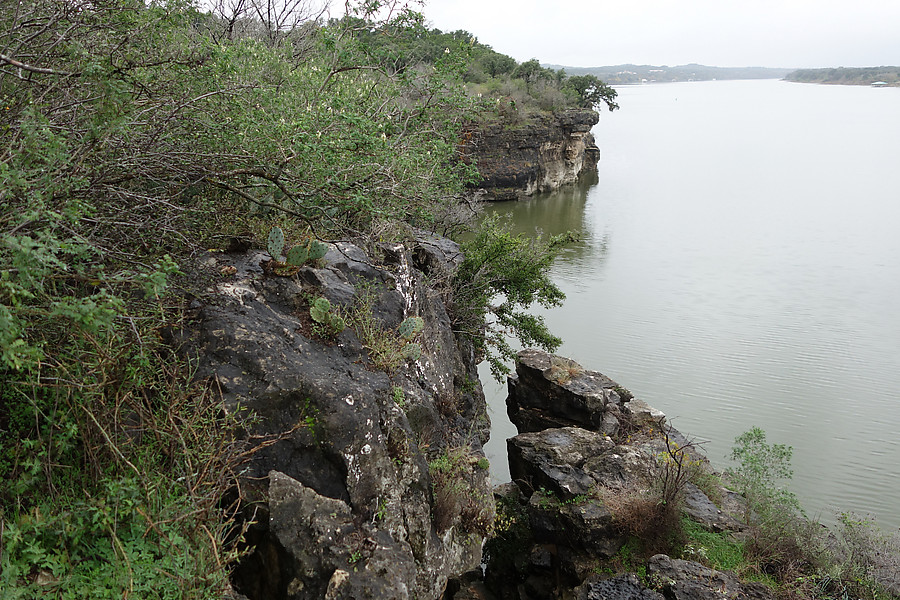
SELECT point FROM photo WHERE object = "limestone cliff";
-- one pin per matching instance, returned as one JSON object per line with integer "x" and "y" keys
{"x": 540, "y": 154}
{"x": 587, "y": 448}
{"x": 367, "y": 479}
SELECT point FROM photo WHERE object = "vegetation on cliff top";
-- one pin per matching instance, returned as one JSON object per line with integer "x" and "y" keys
{"x": 135, "y": 136}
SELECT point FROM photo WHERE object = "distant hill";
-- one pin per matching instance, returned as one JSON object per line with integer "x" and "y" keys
{"x": 621, "y": 74}
{"x": 848, "y": 76}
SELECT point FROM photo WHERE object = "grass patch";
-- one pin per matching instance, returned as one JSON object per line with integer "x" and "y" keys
{"x": 716, "y": 550}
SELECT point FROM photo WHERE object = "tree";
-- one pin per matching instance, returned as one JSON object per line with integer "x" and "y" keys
{"x": 132, "y": 135}
{"x": 530, "y": 71}
{"x": 501, "y": 277}
{"x": 496, "y": 64}
{"x": 591, "y": 91}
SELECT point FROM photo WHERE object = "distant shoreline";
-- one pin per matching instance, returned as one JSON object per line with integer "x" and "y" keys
{"x": 871, "y": 76}
{"x": 637, "y": 74}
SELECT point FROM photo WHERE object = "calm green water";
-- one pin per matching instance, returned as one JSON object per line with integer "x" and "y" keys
{"x": 741, "y": 266}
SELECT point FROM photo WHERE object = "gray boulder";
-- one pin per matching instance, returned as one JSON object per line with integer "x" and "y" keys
{"x": 688, "y": 580}
{"x": 549, "y": 391}
{"x": 554, "y": 459}
{"x": 621, "y": 587}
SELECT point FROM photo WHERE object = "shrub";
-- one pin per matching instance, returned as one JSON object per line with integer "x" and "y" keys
{"x": 134, "y": 134}
{"x": 653, "y": 527}
{"x": 782, "y": 542}
{"x": 501, "y": 277}
{"x": 758, "y": 476}
{"x": 510, "y": 534}
{"x": 455, "y": 497}
{"x": 869, "y": 558}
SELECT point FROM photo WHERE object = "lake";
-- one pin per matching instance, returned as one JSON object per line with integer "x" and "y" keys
{"x": 740, "y": 266}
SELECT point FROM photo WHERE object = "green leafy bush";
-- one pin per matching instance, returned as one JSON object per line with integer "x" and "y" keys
{"x": 760, "y": 472}
{"x": 501, "y": 277}
{"x": 134, "y": 135}
{"x": 782, "y": 540}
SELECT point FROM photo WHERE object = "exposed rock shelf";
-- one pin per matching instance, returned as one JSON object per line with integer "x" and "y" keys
{"x": 540, "y": 154}
{"x": 340, "y": 487}
{"x": 585, "y": 441}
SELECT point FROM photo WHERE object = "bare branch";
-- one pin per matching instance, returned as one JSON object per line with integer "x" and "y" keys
{"x": 25, "y": 67}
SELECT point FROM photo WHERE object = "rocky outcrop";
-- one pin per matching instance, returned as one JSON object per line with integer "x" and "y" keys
{"x": 621, "y": 587}
{"x": 688, "y": 580}
{"x": 365, "y": 481}
{"x": 539, "y": 154}
{"x": 586, "y": 451}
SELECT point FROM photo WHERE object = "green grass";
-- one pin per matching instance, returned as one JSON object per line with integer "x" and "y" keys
{"x": 717, "y": 550}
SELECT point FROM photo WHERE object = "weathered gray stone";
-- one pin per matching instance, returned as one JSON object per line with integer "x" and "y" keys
{"x": 584, "y": 525}
{"x": 644, "y": 415}
{"x": 551, "y": 392}
{"x": 701, "y": 509}
{"x": 620, "y": 587}
{"x": 330, "y": 421}
{"x": 554, "y": 458}
{"x": 687, "y": 580}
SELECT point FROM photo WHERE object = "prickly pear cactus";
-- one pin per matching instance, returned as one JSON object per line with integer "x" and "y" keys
{"x": 297, "y": 255}
{"x": 320, "y": 309}
{"x": 317, "y": 249}
{"x": 412, "y": 352}
{"x": 410, "y": 327}
{"x": 337, "y": 323}
{"x": 276, "y": 244}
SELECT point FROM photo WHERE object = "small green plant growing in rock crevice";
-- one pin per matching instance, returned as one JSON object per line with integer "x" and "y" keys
{"x": 309, "y": 250}
{"x": 387, "y": 349}
{"x": 398, "y": 396}
{"x": 456, "y": 499}
{"x": 328, "y": 320}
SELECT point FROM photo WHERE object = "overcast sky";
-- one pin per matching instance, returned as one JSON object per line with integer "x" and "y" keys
{"x": 726, "y": 33}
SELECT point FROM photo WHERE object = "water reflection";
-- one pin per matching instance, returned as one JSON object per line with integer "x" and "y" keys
{"x": 557, "y": 212}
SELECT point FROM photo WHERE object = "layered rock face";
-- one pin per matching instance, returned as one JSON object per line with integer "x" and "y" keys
{"x": 586, "y": 448}
{"x": 541, "y": 154}
{"x": 364, "y": 483}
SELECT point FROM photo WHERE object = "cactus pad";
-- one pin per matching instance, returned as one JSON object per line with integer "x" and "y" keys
{"x": 337, "y": 323}
{"x": 297, "y": 255}
{"x": 410, "y": 327}
{"x": 412, "y": 352}
{"x": 320, "y": 309}
{"x": 276, "y": 243}
{"x": 316, "y": 249}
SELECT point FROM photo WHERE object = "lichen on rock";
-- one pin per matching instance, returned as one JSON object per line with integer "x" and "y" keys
{"x": 339, "y": 487}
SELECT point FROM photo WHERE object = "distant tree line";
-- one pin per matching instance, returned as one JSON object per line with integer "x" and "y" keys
{"x": 630, "y": 73}
{"x": 847, "y": 75}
